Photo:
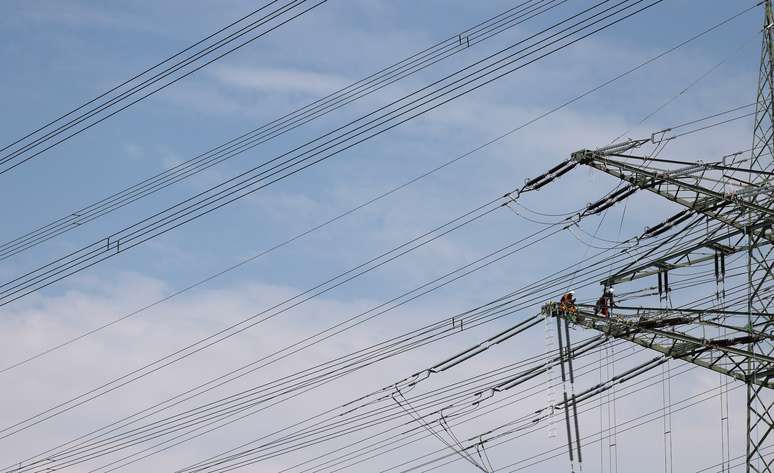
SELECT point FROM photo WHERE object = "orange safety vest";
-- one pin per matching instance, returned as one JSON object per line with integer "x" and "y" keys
{"x": 566, "y": 304}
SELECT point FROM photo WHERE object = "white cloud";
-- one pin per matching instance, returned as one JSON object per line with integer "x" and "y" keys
{"x": 271, "y": 80}
{"x": 246, "y": 90}
{"x": 46, "y": 321}
{"x": 136, "y": 341}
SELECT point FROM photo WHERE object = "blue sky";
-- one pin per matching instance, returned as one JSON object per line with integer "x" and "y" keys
{"x": 57, "y": 54}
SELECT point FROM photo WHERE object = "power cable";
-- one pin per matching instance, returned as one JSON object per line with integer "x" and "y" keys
{"x": 393, "y": 190}
{"x": 39, "y": 145}
{"x": 249, "y": 140}
{"x": 251, "y": 181}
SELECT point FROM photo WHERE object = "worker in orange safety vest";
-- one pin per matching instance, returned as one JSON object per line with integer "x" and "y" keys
{"x": 567, "y": 303}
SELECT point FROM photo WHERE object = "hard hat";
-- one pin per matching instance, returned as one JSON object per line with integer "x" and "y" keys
{"x": 610, "y": 290}
{"x": 572, "y": 293}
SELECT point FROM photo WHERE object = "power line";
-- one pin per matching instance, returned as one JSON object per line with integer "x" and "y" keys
{"x": 499, "y": 65}
{"x": 540, "y": 297}
{"x": 499, "y": 254}
{"x": 273, "y": 129}
{"x": 37, "y": 142}
{"x": 385, "y": 194}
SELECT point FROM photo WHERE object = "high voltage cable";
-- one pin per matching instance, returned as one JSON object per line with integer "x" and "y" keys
{"x": 741, "y": 288}
{"x": 335, "y": 281}
{"x": 373, "y": 354}
{"x": 198, "y": 466}
{"x": 63, "y": 466}
{"x": 34, "y": 143}
{"x": 488, "y": 259}
{"x": 654, "y": 411}
{"x": 588, "y": 439}
{"x": 255, "y": 179}
{"x": 639, "y": 350}
{"x": 399, "y": 438}
{"x": 541, "y": 296}
{"x": 423, "y": 402}
{"x": 6, "y": 430}
{"x": 685, "y": 89}
{"x": 538, "y": 361}
{"x": 352, "y": 321}
{"x": 247, "y": 141}
{"x": 225, "y": 470}
{"x": 51, "y": 456}
{"x": 528, "y": 320}
{"x": 391, "y": 191}
{"x": 656, "y": 417}
{"x": 149, "y": 454}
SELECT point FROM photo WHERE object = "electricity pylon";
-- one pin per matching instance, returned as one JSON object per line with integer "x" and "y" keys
{"x": 760, "y": 413}
{"x": 736, "y": 199}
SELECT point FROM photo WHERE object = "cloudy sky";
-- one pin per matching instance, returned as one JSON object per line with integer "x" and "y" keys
{"x": 59, "y": 54}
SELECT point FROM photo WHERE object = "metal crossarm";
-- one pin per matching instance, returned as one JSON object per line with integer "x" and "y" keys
{"x": 680, "y": 259}
{"x": 679, "y": 189}
{"x": 728, "y": 355}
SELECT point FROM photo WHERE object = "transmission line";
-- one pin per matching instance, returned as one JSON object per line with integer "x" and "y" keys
{"x": 51, "y": 134}
{"x": 385, "y": 194}
{"x": 385, "y": 118}
{"x": 249, "y": 140}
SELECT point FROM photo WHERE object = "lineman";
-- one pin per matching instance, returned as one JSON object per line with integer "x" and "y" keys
{"x": 604, "y": 303}
{"x": 567, "y": 303}
{"x": 601, "y": 306}
{"x": 609, "y": 294}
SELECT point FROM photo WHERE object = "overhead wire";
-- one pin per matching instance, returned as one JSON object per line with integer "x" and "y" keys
{"x": 685, "y": 89}
{"x": 654, "y": 419}
{"x": 534, "y": 360}
{"x": 314, "y": 291}
{"x": 656, "y": 376}
{"x": 498, "y": 138}
{"x": 518, "y": 400}
{"x": 255, "y": 179}
{"x": 30, "y": 150}
{"x": 56, "y": 457}
{"x": 590, "y": 440}
{"x": 249, "y": 140}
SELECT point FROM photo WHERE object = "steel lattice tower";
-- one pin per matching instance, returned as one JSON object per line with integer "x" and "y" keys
{"x": 760, "y": 412}
{"x": 743, "y": 212}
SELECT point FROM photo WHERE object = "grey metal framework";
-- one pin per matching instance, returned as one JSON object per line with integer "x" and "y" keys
{"x": 662, "y": 330}
{"x": 760, "y": 402}
{"x": 744, "y": 214}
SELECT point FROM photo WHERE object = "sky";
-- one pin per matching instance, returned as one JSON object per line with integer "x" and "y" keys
{"x": 58, "y": 54}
